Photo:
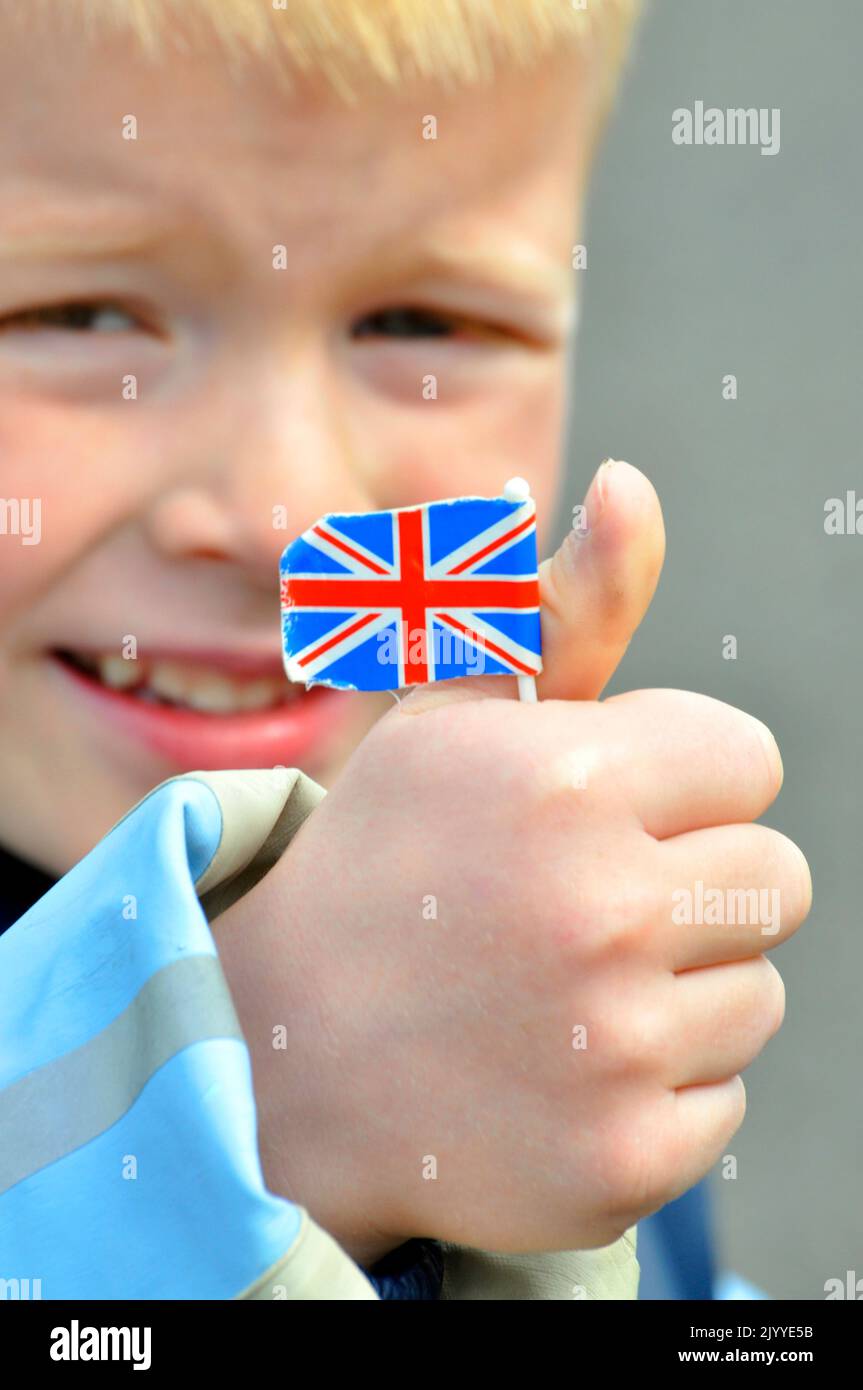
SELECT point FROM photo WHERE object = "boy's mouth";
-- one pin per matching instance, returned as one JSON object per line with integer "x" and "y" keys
{"x": 201, "y": 710}
{"x": 184, "y": 685}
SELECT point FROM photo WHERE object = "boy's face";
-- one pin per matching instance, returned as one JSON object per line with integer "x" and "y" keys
{"x": 164, "y": 388}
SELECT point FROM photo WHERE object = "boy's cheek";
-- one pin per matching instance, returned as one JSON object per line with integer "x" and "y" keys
{"x": 64, "y": 481}
{"x": 475, "y": 448}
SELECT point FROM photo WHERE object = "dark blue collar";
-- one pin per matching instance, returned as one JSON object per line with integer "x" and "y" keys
{"x": 21, "y": 885}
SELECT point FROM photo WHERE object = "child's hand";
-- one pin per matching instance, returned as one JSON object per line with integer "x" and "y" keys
{"x": 498, "y": 1035}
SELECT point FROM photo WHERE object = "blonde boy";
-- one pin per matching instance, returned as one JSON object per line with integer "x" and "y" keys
{"x": 259, "y": 262}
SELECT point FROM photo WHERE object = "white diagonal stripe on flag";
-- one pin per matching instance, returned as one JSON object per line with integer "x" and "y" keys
{"x": 496, "y": 533}
{"x": 506, "y": 647}
{"x": 335, "y": 546}
{"x": 299, "y": 668}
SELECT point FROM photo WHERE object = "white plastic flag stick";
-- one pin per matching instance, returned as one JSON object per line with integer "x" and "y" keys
{"x": 518, "y": 490}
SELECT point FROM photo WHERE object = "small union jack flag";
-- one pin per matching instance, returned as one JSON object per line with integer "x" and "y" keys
{"x": 382, "y": 600}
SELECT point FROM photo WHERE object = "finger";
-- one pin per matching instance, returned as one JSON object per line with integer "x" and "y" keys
{"x": 723, "y": 1017}
{"x": 689, "y": 1131}
{"x": 598, "y": 586}
{"x": 686, "y": 761}
{"x": 704, "y": 1118}
{"x": 733, "y": 892}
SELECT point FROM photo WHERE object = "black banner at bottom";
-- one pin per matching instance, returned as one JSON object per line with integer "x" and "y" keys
{"x": 64, "y": 1339}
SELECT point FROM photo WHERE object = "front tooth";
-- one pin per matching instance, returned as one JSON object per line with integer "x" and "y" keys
{"x": 168, "y": 680}
{"x": 211, "y": 695}
{"x": 258, "y": 694}
{"x": 119, "y": 673}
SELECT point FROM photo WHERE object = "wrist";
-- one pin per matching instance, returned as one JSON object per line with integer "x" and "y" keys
{"x": 284, "y": 983}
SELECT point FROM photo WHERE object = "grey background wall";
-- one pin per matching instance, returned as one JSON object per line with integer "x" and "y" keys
{"x": 703, "y": 261}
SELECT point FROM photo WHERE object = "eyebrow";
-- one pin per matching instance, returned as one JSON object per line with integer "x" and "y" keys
{"x": 512, "y": 267}
{"x": 55, "y": 228}
{"x": 514, "y": 263}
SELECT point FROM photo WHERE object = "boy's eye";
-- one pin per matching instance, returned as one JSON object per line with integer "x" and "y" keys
{"x": 405, "y": 323}
{"x": 75, "y": 317}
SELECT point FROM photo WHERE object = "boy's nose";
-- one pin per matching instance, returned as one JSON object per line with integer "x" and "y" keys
{"x": 284, "y": 459}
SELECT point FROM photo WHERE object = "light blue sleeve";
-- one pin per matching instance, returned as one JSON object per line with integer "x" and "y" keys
{"x": 128, "y": 1158}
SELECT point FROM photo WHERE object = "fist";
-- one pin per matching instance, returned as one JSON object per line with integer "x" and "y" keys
{"x": 520, "y": 953}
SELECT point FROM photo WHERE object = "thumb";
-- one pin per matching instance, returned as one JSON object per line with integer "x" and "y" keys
{"x": 598, "y": 586}
{"x": 593, "y": 594}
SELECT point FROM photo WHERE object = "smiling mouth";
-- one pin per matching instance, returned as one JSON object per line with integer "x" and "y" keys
{"x": 183, "y": 685}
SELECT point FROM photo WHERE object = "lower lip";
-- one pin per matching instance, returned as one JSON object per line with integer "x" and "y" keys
{"x": 289, "y": 735}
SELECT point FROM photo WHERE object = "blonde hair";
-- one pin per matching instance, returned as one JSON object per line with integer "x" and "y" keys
{"x": 452, "y": 41}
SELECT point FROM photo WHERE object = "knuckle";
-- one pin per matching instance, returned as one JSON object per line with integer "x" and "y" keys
{"x": 633, "y": 1040}
{"x": 601, "y": 916}
{"x": 612, "y": 1042}
{"x": 625, "y": 914}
